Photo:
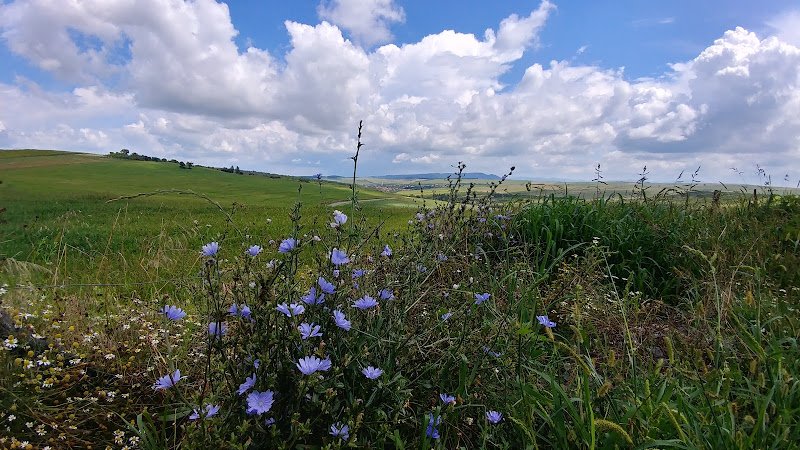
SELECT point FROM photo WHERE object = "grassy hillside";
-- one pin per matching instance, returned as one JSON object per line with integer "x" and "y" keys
{"x": 558, "y": 323}
{"x": 59, "y": 213}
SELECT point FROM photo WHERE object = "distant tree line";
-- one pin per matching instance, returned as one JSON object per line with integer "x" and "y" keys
{"x": 232, "y": 169}
{"x": 126, "y": 154}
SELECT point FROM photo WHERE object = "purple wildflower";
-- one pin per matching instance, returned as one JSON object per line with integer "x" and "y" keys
{"x": 311, "y": 298}
{"x": 254, "y": 250}
{"x": 387, "y": 251}
{"x": 494, "y": 417}
{"x": 491, "y": 352}
{"x": 433, "y": 422}
{"x": 210, "y": 411}
{"x": 311, "y": 364}
{"x": 173, "y": 312}
{"x": 447, "y": 399}
{"x": 372, "y": 372}
{"x": 167, "y": 381}
{"x": 341, "y": 320}
{"x": 259, "y": 402}
{"x": 358, "y": 273}
{"x": 386, "y": 294}
{"x": 339, "y": 218}
{"x": 287, "y": 245}
{"x": 441, "y": 257}
{"x": 210, "y": 249}
{"x": 480, "y": 298}
{"x": 244, "y": 311}
{"x": 292, "y": 310}
{"x": 326, "y": 287}
{"x": 309, "y": 330}
{"x": 249, "y": 382}
{"x": 544, "y": 320}
{"x": 217, "y": 329}
{"x": 339, "y": 257}
{"x": 339, "y": 430}
{"x": 365, "y": 302}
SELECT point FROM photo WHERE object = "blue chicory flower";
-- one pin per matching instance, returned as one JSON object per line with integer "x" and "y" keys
{"x": 480, "y": 298}
{"x": 173, "y": 312}
{"x": 433, "y": 422}
{"x": 544, "y": 320}
{"x": 358, "y": 273}
{"x": 387, "y": 251}
{"x": 249, "y": 382}
{"x": 441, "y": 257}
{"x": 210, "y": 411}
{"x": 254, "y": 250}
{"x": 167, "y": 381}
{"x": 447, "y": 399}
{"x": 217, "y": 329}
{"x": 339, "y": 430}
{"x": 341, "y": 320}
{"x": 210, "y": 249}
{"x": 287, "y": 245}
{"x": 326, "y": 287}
{"x": 386, "y": 294}
{"x": 490, "y": 352}
{"x": 339, "y": 257}
{"x": 309, "y": 330}
{"x": 372, "y": 372}
{"x": 293, "y": 309}
{"x": 311, "y": 297}
{"x": 339, "y": 218}
{"x": 311, "y": 364}
{"x": 259, "y": 402}
{"x": 447, "y": 315}
{"x": 494, "y": 417}
{"x": 244, "y": 311}
{"x": 365, "y": 302}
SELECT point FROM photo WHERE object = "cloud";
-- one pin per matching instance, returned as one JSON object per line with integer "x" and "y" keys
{"x": 168, "y": 79}
{"x": 786, "y": 26}
{"x": 649, "y": 22}
{"x": 367, "y": 21}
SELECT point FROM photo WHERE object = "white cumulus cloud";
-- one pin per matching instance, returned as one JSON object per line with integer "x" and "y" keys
{"x": 368, "y": 21}
{"x": 166, "y": 78}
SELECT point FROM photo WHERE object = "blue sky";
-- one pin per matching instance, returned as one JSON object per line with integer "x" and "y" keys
{"x": 642, "y": 36}
{"x": 553, "y": 88}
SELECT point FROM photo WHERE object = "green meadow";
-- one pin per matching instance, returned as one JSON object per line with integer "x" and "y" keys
{"x": 135, "y": 312}
{"x": 82, "y": 218}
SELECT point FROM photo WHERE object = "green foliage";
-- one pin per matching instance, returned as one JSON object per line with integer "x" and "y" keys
{"x": 697, "y": 348}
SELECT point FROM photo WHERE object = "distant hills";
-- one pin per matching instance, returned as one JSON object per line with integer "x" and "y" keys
{"x": 429, "y": 176}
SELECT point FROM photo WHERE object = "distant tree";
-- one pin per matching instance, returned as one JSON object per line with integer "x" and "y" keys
{"x": 125, "y": 151}
{"x": 183, "y": 165}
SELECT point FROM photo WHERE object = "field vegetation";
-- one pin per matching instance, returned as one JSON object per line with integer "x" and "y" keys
{"x": 557, "y": 321}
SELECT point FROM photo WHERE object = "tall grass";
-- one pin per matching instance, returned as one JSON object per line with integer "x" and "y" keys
{"x": 675, "y": 327}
